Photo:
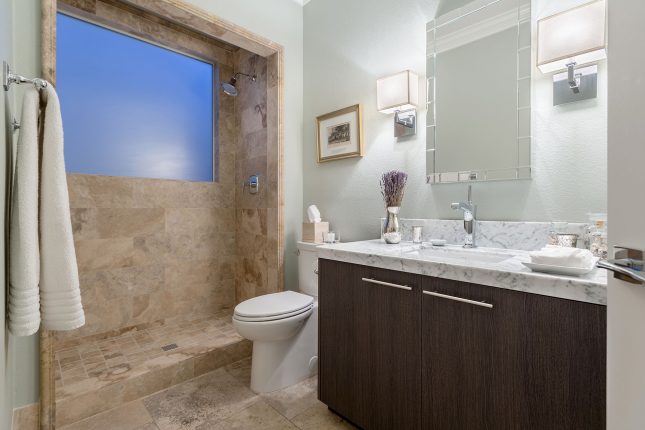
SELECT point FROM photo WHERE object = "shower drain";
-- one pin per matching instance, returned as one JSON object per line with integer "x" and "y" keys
{"x": 169, "y": 346}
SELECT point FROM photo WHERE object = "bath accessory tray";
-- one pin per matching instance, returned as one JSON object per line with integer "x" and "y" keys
{"x": 560, "y": 270}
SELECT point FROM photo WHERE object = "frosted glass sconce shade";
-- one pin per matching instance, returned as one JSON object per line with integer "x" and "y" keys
{"x": 576, "y": 36}
{"x": 398, "y": 92}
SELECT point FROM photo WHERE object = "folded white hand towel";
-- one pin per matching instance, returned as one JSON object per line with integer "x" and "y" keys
{"x": 58, "y": 269}
{"x": 563, "y": 256}
{"x": 24, "y": 257}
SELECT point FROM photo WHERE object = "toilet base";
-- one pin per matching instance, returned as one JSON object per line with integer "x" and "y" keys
{"x": 279, "y": 364}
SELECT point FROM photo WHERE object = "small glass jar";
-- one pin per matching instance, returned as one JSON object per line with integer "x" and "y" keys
{"x": 567, "y": 240}
{"x": 329, "y": 237}
{"x": 598, "y": 245}
{"x": 417, "y": 234}
{"x": 557, "y": 228}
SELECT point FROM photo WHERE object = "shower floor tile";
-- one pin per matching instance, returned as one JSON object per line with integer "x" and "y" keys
{"x": 97, "y": 363}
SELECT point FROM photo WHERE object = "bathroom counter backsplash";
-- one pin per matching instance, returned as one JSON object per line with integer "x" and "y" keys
{"x": 509, "y": 274}
{"x": 526, "y": 236}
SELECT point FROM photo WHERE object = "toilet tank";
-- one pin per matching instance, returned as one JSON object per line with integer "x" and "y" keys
{"x": 308, "y": 268}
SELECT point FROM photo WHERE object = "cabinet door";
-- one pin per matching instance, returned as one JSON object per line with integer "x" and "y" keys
{"x": 530, "y": 363}
{"x": 457, "y": 356}
{"x": 564, "y": 378}
{"x": 394, "y": 342}
{"x": 342, "y": 347}
{"x": 369, "y": 349}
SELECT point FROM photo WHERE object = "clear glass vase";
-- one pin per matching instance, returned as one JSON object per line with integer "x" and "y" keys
{"x": 391, "y": 228}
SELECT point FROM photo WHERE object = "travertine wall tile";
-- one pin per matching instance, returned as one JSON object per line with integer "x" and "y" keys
{"x": 86, "y": 5}
{"x": 92, "y": 191}
{"x": 96, "y": 254}
{"x": 254, "y": 145}
{"x": 128, "y": 222}
{"x": 150, "y": 249}
{"x": 256, "y": 252}
{"x": 252, "y": 221}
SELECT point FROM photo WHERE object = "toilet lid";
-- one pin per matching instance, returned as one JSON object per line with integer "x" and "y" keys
{"x": 269, "y": 305}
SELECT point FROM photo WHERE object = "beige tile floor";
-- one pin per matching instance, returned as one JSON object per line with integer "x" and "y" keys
{"x": 220, "y": 400}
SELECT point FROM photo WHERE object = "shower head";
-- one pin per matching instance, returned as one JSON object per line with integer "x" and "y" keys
{"x": 230, "y": 88}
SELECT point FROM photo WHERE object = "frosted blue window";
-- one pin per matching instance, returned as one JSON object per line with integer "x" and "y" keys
{"x": 131, "y": 108}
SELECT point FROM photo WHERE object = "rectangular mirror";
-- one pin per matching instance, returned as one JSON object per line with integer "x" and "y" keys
{"x": 479, "y": 93}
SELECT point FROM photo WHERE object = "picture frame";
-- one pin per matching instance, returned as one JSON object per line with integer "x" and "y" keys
{"x": 340, "y": 134}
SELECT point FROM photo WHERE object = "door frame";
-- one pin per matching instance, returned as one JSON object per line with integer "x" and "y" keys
{"x": 188, "y": 16}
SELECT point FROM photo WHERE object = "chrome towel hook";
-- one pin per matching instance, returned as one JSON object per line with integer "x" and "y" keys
{"x": 8, "y": 78}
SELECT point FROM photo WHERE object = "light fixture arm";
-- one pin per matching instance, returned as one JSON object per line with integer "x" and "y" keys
{"x": 405, "y": 118}
{"x": 405, "y": 123}
{"x": 573, "y": 77}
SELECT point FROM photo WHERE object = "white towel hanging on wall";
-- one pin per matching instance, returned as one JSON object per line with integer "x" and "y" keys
{"x": 24, "y": 256}
{"x": 53, "y": 263}
{"x": 60, "y": 294}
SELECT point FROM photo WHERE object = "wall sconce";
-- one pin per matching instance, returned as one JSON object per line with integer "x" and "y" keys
{"x": 569, "y": 39}
{"x": 399, "y": 94}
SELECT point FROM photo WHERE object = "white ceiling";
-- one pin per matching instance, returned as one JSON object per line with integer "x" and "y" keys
{"x": 302, "y": 2}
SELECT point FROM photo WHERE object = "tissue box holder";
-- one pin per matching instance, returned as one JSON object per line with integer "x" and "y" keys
{"x": 313, "y": 231}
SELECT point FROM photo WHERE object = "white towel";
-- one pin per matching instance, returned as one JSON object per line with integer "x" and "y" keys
{"x": 60, "y": 296}
{"x": 563, "y": 257}
{"x": 43, "y": 275}
{"x": 24, "y": 256}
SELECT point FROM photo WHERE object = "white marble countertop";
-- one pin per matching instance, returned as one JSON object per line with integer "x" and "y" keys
{"x": 494, "y": 267}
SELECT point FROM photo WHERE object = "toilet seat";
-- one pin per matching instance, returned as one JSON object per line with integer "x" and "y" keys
{"x": 271, "y": 307}
{"x": 274, "y": 317}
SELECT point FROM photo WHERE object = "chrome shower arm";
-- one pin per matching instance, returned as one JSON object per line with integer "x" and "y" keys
{"x": 251, "y": 77}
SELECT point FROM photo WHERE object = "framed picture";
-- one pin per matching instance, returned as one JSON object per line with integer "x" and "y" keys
{"x": 340, "y": 134}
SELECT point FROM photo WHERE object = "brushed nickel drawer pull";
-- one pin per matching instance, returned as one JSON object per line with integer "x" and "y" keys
{"x": 387, "y": 284}
{"x": 458, "y": 299}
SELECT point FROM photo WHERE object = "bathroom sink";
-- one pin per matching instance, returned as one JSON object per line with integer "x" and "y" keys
{"x": 459, "y": 254}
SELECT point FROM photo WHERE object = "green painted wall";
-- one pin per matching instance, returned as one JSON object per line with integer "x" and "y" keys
{"x": 6, "y": 397}
{"x": 20, "y": 46}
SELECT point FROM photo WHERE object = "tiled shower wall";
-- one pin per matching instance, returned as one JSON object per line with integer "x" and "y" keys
{"x": 150, "y": 249}
{"x": 154, "y": 249}
{"x": 256, "y": 214}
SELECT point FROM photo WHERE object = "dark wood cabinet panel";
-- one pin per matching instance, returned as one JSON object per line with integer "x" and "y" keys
{"x": 564, "y": 366}
{"x": 395, "y": 358}
{"x": 369, "y": 350}
{"x": 530, "y": 363}
{"x": 457, "y": 357}
{"x": 508, "y": 394}
{"x": 342, "y": 373}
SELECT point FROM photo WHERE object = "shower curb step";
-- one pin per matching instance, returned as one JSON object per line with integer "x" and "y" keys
{"x": 186, "y": 363}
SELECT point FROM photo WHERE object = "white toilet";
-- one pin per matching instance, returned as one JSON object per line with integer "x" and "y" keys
{"x": 284, "y": 329}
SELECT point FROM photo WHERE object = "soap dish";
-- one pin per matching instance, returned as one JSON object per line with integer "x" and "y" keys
{"x": 437, "y": 242}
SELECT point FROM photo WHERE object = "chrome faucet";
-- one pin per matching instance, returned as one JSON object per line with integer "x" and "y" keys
{"x": 470, "y": 221}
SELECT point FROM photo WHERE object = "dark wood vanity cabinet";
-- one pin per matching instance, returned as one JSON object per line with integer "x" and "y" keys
{"x": 437, "y": 356}
{"x": 369, "y": 351}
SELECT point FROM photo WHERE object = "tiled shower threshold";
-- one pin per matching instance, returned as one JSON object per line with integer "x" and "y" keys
{"x": 100, "y": 374}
